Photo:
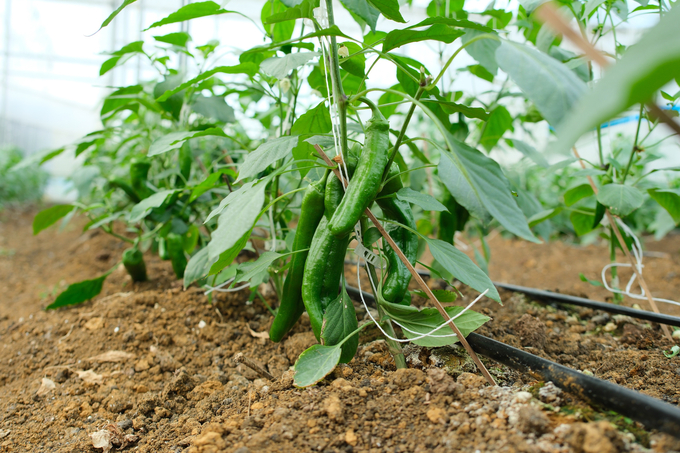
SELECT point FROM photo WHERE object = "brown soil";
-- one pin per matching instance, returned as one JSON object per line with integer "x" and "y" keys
{"x": 147, "y": 367}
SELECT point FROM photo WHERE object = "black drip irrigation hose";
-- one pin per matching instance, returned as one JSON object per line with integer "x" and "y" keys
{"x": 551, "y": 297}
{"x": 548, "y": 296}
{"x": 651, "y": 412}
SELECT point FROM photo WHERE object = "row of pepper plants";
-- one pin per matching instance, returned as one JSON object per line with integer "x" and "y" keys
{"x": 208, "y": 163}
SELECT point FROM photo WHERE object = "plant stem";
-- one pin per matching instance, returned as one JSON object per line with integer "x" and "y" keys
{"x": 338, "y": 92}
{"x": 599, "y": 146}
{"x": 402, "y": 132}
{"x": 635, "y": 146}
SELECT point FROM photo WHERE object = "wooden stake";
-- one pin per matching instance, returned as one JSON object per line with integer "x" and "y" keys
{"x": 415, "y": 275}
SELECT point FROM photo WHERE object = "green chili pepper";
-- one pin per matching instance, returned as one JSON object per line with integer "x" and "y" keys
{"x": 125, "y": 187}
{"x": 185, "y": 159}
{"x": 395, "y": 286}
{"x": 175, "y": 244}
{"x": 291, "y": 306}
{"x": 133, "y": 260}
{"x": 451, "y": 220}
{"x": 139, "y": 172}
{"x": 365, "y": 185}
{"x": 326, "y": 259}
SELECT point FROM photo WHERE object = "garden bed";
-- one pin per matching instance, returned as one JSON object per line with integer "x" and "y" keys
{"x": 172, "y": 386}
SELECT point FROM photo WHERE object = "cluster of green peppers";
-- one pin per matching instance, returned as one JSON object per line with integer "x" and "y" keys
{"x": 328, "y": 216}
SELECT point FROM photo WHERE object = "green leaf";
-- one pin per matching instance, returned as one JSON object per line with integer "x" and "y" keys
{"x": 425, "y": 320}
{"x": 669, "y": 199}
{"x": 583, "y": 223}
{"x": 371, "y": 236}
{"x": 499, "y": 122}
{"x": 251, "y": 269}
{"x": 481, "y": 72}
{"x": 141, "y": 209}
{"x": 529, "y": 151}
{"x": 549, "y": 84}
{"x": 437, "y": 32}
{"x": 483, "y": 50}
{"x": 620, "y": 199}
{"x": 179, "y": 39}
{"x": 479, "y": 185}
{"x": 214, "y": 107}
{"x": 243, "y": 68}
{"x": 315, "y": 364}
{"x": 197, "y": 267}
{"x": 531, "y": 5}
{"x": 542, "y": 216}
{"x": 425, "y": 201}
{"x": 278, "y": 32}
{"x": 209, "y": 183}
{"x": 460, "y": 23}
{"x": 339, "y": 321}
{"x": 577, "y": 193}
{"x": 48, "y": 217}
{"x": 266, "y": 154}
{"x": 389, "y": 9}
{"x": 364, "y": 10}
{"x": 120, "y": 98}
{"x": 235, "y": 224}
{"x": 108, "y": 20}
{"x": 461, "y": 267}
{"x": 297, "y": 9}
{"x": 191, "y": 11}
{"x": 442, "y": 295}
{"x": 452, "y": 107}
{"x": 644, "y": 69}
{"x": 132, "y": 48}
{"x": 77, "y": 293}
{"x": 314, "y": 121}
{"x": 36, "y": 159}
{"x": 175, "y": 140}
{"x": 279, "y": 67}
{"x": 355, "y": 65}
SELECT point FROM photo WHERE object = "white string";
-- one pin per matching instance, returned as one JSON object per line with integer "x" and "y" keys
{"x": 219, "y": 287}
{"x": 429, "y": 334}
{"x": 636, "y": 250}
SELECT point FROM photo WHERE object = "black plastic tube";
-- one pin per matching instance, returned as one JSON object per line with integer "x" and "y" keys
{"x": 651, "y": 412}
{"x": 548, "y": 296}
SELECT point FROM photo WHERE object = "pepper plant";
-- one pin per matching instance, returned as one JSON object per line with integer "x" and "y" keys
{"x": 179, "y": 169}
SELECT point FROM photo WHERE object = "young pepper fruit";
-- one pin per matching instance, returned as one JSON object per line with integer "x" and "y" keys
{"x": 133, "y": 260}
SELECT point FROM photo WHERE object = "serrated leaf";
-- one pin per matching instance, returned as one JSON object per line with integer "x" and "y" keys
{"x": 577, "y": 193}
{"x": 141, "y": 209}
{"x": 78, "y": 293}
{"x": 266, "y": 154}
{"x": 191, "y": 11}
{"x": 197, "y": 267}
{"x": 461, "y": 267}
{"x": 48, "y": 217}
{"x": 479, "y": 185}
{"x": 389, "y": 9}
{"x": 243, "y": 68}
{"x": 315, "y": 364}
{"x": 436, "y": 32}
{"x": 175, "y": 140}
{"x": 416, "y": 322}
{"x": 279, "y": 67}
{"x": 425, "y": 201}
{"x": 339, "y": 321}
{"x": 548, "y": 83}
{"x": 644, "y": 69}
{"x": 620, "y": 199}
{"x": 669, "y": 199}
